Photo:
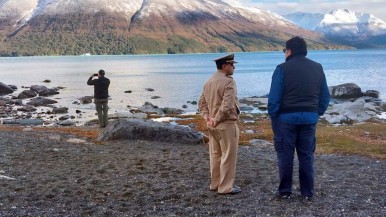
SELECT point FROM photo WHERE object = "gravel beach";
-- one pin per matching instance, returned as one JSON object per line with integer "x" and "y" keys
{"x": 53, "y": 173}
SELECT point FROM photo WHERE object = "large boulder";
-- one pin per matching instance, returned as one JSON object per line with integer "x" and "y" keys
{"x": 5, "y": 89}
{"x": 27, "y": 94}
{"x": 139, "y": 129}
{"x": 41, "y": 101}
{"x": 345, "y": 91}
{"x": 43, "y": 90}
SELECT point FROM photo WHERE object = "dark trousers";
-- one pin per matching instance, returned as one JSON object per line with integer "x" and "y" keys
{"x": 287, "y": 139}
{"x": 101, "y": 108}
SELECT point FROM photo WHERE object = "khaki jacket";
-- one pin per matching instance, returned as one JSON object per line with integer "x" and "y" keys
{"x": 219, "y": 99}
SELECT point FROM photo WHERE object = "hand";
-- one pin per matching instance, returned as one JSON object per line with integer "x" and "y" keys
{"x": 206, "y": 118}
{"x": 211, "y": 122}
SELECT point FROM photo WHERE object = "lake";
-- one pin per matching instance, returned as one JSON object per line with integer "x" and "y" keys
{"x": 179, "y": 78}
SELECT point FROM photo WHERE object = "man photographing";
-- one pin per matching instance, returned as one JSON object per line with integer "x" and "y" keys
{"x": 101, "y": 95}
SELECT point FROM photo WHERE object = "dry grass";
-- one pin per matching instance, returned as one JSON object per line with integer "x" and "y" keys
{"x": 368, "y": 139}
{"x": 84, "y": 132}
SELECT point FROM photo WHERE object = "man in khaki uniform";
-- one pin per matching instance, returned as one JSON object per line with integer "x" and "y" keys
{"x": 218, "y": 105}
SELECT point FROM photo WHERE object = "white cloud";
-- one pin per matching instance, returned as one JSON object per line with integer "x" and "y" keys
{"x": 375, "y": 7}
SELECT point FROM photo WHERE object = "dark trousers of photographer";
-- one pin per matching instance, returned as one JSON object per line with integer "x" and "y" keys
{"x": 102, "y": 108}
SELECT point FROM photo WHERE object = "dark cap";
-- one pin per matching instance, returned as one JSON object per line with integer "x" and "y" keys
{"x": 227, "y": 59}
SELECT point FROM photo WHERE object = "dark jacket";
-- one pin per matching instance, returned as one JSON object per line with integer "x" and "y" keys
{"x": 298, "y": 85}
{"x": 101, "y": 87}
{"x": 302, "y": 81}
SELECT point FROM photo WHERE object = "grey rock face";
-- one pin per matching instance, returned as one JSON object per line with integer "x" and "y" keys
{"x": 138, "y": 129}
{"x": 345, "y": 91}
{"x": 351, "y": 112}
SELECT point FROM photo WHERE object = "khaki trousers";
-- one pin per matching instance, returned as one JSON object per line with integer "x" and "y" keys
{"x": 102, "y": 108}
{"x": 223, "y": 146}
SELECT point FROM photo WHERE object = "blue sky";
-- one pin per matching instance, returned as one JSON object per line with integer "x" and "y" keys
{"x": 375, "y": 7}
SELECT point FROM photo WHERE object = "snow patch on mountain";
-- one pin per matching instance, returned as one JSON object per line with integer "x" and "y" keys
{"x": 141, "y": 9}
{"x": 17, "y": 10}
{"x": 90, "y": 6}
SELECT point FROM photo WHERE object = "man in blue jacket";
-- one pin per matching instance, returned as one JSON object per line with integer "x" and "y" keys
{"x": 101, "y": 95}
{"x": 298, "y": 96}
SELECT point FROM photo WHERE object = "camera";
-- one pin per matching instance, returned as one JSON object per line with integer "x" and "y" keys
{"x": 95, "y": 74}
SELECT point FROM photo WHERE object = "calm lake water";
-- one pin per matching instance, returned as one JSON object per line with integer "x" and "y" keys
{"x": 179, "y": 78}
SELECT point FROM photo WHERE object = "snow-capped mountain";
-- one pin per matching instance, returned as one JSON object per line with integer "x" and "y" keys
{"x": 341, "y": 23}
{"x": 141, "y": 26}
{"x": 27, "y": 9}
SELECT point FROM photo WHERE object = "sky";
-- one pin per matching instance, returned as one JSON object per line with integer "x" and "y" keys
{"x": 375, "y": 7}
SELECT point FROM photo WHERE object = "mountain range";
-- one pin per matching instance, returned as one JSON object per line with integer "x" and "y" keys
{"x": 361, "y": 30}
{"x": 73, "y": 27}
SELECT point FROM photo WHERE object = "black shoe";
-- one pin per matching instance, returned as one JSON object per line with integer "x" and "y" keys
{"x": 235, "y": 190}
{"x": 307, "y": 199}
{"x": 284, "y": 196}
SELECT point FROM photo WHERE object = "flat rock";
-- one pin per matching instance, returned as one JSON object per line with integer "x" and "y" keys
{"x": 61, "y": 110}
{"x": 66, "y": 123}
{"x": 31, "y": 122}
{"x": 41, "y": 101}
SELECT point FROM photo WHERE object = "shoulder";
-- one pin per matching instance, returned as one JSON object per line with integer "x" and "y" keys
{"x": 312, "y": 61}
{"x": 281, "y": 65}
{"x": 229, "y": 81}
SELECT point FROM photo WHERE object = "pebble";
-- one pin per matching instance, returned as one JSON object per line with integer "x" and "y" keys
{"x": 78, "y": 141}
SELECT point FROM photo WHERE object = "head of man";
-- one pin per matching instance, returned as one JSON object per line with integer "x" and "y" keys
{"x": 226, "y": 64}
{"x": 101, "y": 73}
{"x": 295, "y": 46}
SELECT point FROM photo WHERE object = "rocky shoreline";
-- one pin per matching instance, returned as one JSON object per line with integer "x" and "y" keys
{"x": 348, "y": 105}
{"x": 31, "y": 106}
{"x": 34, "y": 106}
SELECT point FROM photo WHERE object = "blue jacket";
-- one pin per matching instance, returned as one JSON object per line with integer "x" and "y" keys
{"x": 297, "y": 115}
